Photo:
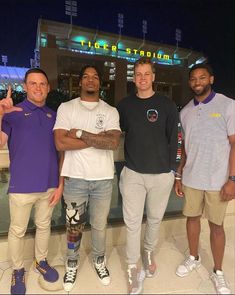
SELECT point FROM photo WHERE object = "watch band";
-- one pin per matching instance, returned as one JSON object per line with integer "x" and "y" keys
{"x": 232, "y": 177}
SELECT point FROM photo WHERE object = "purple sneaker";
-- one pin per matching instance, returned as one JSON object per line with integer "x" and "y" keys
{"x": 49, "y": 273}
{"x": 18, "y": 281}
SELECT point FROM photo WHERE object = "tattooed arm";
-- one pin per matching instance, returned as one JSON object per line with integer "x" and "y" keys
{"x": 65, "y": 142}
{"x": 107, "y": 140}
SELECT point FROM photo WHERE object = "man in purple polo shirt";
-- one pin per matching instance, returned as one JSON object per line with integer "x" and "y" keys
{"x": 207, "y": 169}
{"x": 34, "y": 173}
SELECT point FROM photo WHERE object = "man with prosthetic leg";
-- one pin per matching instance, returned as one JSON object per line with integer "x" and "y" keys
{"x": 87, "y": 129}
{"x": 75, "y": 222}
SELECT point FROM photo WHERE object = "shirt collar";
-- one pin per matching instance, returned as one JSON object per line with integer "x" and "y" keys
{"x": 33, "y": 106}
{"x": 208, "y": 99}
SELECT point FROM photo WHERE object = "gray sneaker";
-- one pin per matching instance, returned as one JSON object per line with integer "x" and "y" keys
{"x": 220, "y": 283}
{"x": 189, "y": 264}
{"x": 135, "y": 279}
{"x": 150, "y": 266}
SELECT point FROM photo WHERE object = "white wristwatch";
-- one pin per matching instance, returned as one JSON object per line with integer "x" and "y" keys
{"x": 79, "y": 133}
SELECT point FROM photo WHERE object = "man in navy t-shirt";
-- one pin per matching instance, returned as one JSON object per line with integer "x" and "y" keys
{"x": 150, "y": 122}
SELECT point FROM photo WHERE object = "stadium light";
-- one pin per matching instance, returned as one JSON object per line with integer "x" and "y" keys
{"x": 144, "y": 28}
{"x": 120, "y": 26}
{"x": 4, "y": 59}
{"x": 120, "y": 22}
{"x": 71, "y": 10}
{"x": 178, "y": 33}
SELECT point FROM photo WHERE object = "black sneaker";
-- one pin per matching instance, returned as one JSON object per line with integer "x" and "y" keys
{"x": 18, "y": 281}
{"x": 70, "y": 274}
{"x": 101, "y": 270}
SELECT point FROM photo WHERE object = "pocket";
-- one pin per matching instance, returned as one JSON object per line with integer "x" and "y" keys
{"x": 122, "y": 175}
{"x": 171, "y": 178}
{"x": 122, "y": 172}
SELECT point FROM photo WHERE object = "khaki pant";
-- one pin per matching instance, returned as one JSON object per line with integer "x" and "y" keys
{"x": 20, "y": 209}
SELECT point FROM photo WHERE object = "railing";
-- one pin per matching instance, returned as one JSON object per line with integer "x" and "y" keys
{"x": 58, "y": 219}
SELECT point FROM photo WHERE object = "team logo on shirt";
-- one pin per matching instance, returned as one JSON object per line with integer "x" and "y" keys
{"x": 49, "y": 115}
{"x": 152, "y": 115}
{"x": 27, "y": 114}
{"x": 99, "y": 121}
{"x": 215, "y": 115}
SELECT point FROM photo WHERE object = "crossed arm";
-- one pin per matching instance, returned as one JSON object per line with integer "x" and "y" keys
{"x": 67, "y": 140}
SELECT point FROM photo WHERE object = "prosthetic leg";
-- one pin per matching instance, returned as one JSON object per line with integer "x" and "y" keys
{"x": 76, "y": 218}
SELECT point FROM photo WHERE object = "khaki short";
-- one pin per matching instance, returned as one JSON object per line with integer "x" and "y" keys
{"x": 206, "y": 203}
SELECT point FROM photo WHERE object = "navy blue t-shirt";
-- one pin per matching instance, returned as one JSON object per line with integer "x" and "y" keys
{"x": 151, "y": 133}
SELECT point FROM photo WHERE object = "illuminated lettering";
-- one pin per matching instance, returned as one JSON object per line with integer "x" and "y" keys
{"x": 127, "y": 51}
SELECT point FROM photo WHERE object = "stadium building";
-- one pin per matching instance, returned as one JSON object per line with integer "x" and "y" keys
{"x": 62, "y": 49}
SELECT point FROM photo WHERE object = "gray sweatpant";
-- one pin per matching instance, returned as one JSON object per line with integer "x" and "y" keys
{"x": 139, "y": 190}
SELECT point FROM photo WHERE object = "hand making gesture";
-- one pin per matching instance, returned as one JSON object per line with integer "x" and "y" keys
{"x": 6, "y": 104}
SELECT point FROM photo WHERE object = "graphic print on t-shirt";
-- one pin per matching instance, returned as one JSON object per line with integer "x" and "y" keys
{"x": 152, "y": 115}
{"x": 100, "y": 121}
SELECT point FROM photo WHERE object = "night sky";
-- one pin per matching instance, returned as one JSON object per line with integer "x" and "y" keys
{"x": 207, "y": 26}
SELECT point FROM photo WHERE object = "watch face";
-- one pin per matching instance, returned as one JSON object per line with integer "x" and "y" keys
{"x": 79, "y": 133}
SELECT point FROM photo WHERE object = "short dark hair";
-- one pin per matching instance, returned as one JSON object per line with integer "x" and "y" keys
{"x": 83, "y": 69}
{"x": 144, "y": 61}
{"x": 205, "y": 66}
{"x": 37, "y": 71}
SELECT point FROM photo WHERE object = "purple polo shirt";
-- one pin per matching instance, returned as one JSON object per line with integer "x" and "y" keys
{"x": 33, "y": 156}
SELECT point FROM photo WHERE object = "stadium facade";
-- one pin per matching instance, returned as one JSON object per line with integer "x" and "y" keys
{"x": 63, "y": 49}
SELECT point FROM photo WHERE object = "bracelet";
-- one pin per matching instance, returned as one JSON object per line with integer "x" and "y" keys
{"x": 232, "y": 177}
{"x": 178, "y": 178}
{"x": 178, "y": 174}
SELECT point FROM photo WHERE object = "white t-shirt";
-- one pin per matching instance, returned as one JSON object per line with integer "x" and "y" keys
{"x": 89, "y": 163}
{"x": 206, "y": 128}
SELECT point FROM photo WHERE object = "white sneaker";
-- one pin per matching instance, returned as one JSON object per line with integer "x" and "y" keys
{"x": 135, "y": 279}
{"x": 101, "y": 270}
{"x": 187, "y": 266}
{"x": 70, "y": 275}
{"x": 221, "y": 285}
